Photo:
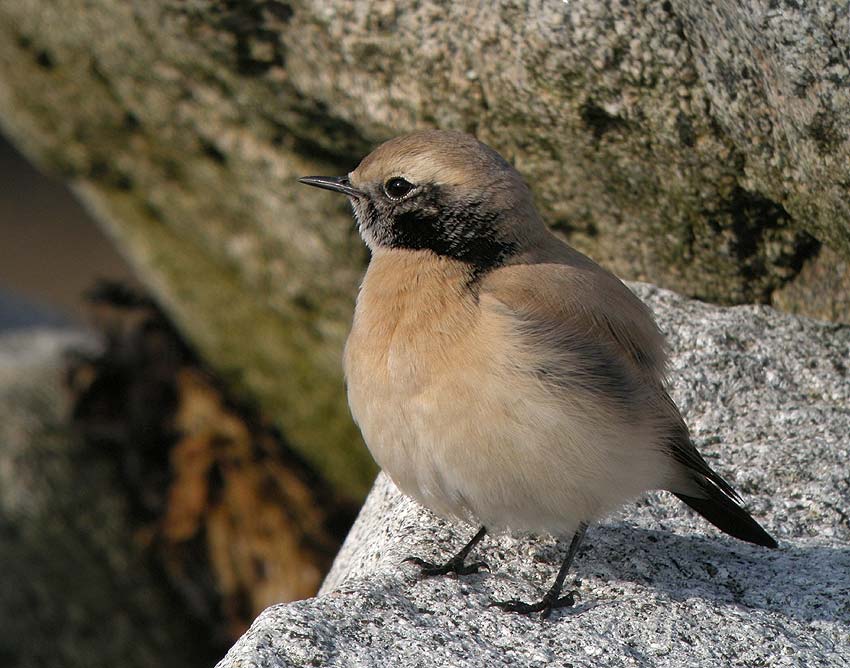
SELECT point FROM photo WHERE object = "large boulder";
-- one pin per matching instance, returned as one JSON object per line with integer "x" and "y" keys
{"x": 702, "y": 145}
{"x": 767, "y": 399}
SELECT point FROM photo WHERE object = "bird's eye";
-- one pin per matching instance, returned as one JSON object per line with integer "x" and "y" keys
{"x": 397, "y": 187}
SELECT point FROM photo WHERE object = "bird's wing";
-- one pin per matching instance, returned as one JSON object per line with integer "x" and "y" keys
{"x": 572, "y": 299}
{"x": 569, "y": 302}
{"x": 572, "y": 303}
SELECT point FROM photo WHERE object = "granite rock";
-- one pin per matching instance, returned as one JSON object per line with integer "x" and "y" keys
{"x": 768, "y": 399}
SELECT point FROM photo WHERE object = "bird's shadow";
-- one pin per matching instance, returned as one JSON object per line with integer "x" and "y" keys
{"x": 806, "y": 582}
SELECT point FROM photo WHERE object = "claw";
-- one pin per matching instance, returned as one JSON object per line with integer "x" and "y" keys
{"x": 543, "y": 606}
{"x": 478, "y": 565}
{"x": 455, "y": 564}
{"x": 429, "y": 568}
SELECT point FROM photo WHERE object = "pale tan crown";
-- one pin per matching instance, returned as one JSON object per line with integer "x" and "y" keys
{"x": 439, "y": 157}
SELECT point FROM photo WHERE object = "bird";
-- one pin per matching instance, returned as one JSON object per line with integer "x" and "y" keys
{"x": 500, "y": 377}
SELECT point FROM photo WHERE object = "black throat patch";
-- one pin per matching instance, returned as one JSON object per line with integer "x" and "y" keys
{"x": 464, "y": 231}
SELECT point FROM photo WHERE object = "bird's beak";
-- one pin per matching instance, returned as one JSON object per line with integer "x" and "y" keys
{"x": 340, "y": 184}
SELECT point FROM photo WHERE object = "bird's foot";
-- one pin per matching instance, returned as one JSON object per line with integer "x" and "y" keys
{"x": 453, "y": 565}
{"x": 544, "y": 606}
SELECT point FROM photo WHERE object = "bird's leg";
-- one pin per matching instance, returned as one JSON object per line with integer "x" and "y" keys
{"x": 552, "y": 599}
{"x": 455, "y": 564}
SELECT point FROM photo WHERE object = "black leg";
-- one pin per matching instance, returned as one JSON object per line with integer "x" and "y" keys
{"x": 552, "y": 599}
{"x": 455, "y": 564}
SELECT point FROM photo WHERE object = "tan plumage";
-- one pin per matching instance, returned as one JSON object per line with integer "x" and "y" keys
{"x": 472, "y": 405}
{"x": 498, "y": 375}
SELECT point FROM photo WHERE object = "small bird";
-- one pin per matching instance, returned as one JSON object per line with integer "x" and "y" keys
{"x": 499, "y": 376}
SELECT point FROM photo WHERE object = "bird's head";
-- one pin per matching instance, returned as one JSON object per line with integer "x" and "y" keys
{"x": 443, "y": 192}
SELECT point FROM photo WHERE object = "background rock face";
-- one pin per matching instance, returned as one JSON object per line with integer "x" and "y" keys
{"x": 703, "y": 146}
{"x": 768, "y": 401}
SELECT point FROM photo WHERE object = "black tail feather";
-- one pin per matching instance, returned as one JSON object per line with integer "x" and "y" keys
{"x": 728, "y": 516}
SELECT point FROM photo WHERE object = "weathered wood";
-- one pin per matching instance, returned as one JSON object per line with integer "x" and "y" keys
{"x": 79, "y": 588}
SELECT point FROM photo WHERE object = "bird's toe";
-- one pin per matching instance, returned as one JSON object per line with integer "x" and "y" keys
{"x": 468, "y": 569}
{"x": 457, "y": 566}
{"x": 543, "y": 606}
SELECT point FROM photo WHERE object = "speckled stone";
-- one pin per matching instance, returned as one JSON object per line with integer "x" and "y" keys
{"x": 768, "y": 399}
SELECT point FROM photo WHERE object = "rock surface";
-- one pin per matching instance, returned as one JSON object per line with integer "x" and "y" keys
{"x": 768, "y": 399}
{"x": 695, "y": 144}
